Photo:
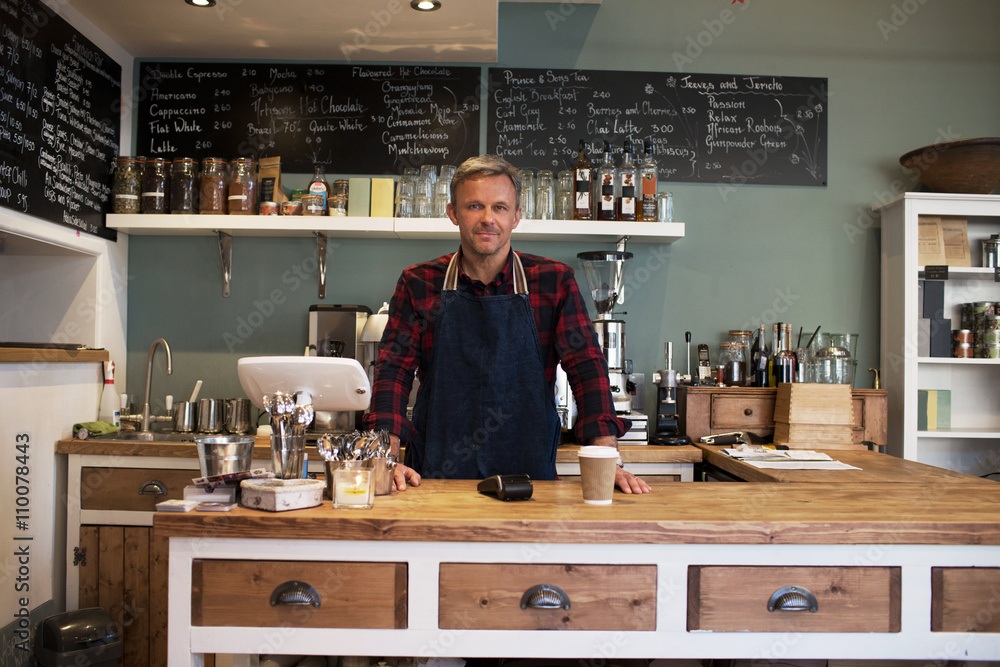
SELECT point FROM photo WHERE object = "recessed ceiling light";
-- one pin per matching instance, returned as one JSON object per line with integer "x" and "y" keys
{"x": 201, "y": 3}
{"x": 425, "y": 5}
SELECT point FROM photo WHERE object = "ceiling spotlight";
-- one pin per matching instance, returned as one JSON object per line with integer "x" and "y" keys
{"x": 201, "y": 3}
{"x": 425, "y": 5}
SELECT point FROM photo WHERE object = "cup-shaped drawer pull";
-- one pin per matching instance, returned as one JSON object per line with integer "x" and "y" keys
{"x": 545, "y": 596}
{"x": 153, "y": 487}
{"x": 792, "y": 598}
{"x": 295, "y": 593}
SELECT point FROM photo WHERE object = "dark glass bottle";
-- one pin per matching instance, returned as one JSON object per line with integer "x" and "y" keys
{"x": 785, "y": 363}
{"x": 607, "y": 176}
{"x": 628, "y": 178}
{"x": 759, "y": 358}
{"x": 584, "y": 182}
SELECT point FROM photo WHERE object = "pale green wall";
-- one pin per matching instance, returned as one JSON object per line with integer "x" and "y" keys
{"x": 812, "y": 251}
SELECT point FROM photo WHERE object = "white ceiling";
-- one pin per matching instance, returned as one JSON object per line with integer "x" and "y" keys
{"x": 312, "y": 30}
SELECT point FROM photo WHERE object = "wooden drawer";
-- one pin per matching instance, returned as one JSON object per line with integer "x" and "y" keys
{"x": 736, "y": 412}
{"x": 601, "y": 597}
{"x": 237, "y": 593}
{"x": 965, "y": 599}
{"x": 135, "y": 489}
{"x": 849, "y": 599}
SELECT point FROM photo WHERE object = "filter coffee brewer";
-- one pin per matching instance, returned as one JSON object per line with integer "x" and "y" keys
{"x": 605, "y": 272}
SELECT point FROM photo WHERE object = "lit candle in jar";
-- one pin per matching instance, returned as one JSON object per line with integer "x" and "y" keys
{"x": 352, "y": 488}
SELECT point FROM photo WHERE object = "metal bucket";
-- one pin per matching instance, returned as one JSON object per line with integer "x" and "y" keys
{"x": 224, "y": 454}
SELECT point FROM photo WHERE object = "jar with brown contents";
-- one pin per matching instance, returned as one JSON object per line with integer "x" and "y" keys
{"x": 213, "y": 186}
{"x": 155, "y": 186}
{"x": 242, "y": 187}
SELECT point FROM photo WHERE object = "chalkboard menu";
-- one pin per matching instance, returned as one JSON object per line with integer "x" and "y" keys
{"x": 59, "y": 119}
{"x": 355, "y": 119}
{"x": 708, "y": 128}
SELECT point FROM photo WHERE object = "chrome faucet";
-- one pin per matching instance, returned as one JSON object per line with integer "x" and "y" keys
{"x": 147, "y": 418}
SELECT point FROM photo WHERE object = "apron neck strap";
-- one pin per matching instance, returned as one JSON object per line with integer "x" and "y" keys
{"x": 451, "y": 275}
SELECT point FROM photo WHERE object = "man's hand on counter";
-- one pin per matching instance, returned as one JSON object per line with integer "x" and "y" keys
{"x": 404, "y": 475}
{"x": 624, "y": 480}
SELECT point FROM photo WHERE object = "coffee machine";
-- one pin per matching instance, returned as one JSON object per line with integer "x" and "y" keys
{"x": 335, "y": 330}
{"x": 605, "y": 272}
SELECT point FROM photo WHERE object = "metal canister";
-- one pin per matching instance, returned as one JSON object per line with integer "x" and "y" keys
{"x": 991, "y": 323}
{"x": 292, "y": 207}
{"x": 988, "y": 351}
{"x": 989, "y": 338}
{"x": 962, "y": 351}
{"x": 268, "y": 208}
{"x": 960, "y": 336}
{"x": 968, "y": 316}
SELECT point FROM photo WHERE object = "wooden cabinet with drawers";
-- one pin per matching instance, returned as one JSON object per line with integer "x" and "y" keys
{"x": 114, "y": 560}
{"x": 706, "y": 410}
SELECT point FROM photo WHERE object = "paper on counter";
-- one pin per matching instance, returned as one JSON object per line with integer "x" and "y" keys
{"x": 800, "y": 465}
{"x": 762, "y": 454}
{"x": 786, "y": 459}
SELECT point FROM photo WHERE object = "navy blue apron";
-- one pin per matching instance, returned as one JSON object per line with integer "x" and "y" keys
{"x": 484, "y": 407}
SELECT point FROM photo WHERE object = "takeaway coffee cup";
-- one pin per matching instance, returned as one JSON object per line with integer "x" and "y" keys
{"x": 597, "y": 474}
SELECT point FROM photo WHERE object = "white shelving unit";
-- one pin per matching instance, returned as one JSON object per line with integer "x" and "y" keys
{"x": 972, "y": 444}
{"x": 389, "y": 228}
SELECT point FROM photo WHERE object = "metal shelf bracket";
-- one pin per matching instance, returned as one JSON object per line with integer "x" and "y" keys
{"x": 321, "y": 256}
{"x": 226, "y": 254}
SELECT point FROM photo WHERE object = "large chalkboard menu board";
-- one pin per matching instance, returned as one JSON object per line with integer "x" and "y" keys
{"x": 359, "y": 119}
{"x": 710, "y": 128}
{"x": 59, "y": 119}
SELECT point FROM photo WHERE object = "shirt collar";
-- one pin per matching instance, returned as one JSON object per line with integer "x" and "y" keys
{"x": 505, "y": 276}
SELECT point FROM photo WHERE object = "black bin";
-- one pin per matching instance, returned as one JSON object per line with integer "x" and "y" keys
{"x": 85, "y": 637}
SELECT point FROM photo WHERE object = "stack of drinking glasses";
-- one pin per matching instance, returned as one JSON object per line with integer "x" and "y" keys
{"x": 424, "y": 193}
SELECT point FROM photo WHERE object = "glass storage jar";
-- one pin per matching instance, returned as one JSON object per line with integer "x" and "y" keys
{"x": 242, "y": 198}
{"x": 339, "y": 197}
{"x": 733, "y": 358}
{"x": 212, "y": 199}
{"x": 742, "y": 339}
{"x": 126, "y": 186}
{"x": 155, "y": 186}
{"x": 183, "y": 193}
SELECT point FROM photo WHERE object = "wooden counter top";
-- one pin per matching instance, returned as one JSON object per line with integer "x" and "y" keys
{"x": 875, "y": 467}
{"x": 262, "y": 450}
{"x": 674, "y": 513}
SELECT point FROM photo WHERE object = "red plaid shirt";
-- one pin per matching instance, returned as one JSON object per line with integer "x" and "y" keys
{"x": 565, "y": 333}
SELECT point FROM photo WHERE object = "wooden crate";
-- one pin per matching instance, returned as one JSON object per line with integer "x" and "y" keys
{"x": 815, "y": 436}
{"x": 811, "y": 403}
{"x": 814, "y": 416}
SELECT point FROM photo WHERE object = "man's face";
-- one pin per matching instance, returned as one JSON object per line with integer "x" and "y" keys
{"x": 486, "y": 211}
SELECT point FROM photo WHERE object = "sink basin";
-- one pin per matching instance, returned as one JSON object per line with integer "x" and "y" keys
{"x": 135, "y": 436}
{"x": 335, "y": 383}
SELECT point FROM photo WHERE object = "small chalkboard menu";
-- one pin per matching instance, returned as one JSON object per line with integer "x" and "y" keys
{"x": 353, "y": 119}
{"x": 59, "y": 119}
{"x": 709, "y": 128}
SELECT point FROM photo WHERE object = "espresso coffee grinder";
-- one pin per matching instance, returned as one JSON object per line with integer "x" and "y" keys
{"x": 605, "y": 272}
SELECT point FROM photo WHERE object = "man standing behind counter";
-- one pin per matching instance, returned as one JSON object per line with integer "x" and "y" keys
{"x": 484, "y": 328}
